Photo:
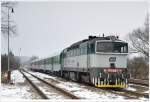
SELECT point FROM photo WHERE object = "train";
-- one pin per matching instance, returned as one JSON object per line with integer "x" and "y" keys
{"x": 98, "y": 61}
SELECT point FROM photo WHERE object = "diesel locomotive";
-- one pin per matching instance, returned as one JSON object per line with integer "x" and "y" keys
{"x": 100, "y": 61}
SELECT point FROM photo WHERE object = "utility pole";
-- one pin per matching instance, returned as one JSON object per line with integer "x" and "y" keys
{"x": 9, "y": 72}
{"x": 20, "y": 59}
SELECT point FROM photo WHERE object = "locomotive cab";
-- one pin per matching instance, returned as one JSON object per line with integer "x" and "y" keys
{"x": 109, "y": 63}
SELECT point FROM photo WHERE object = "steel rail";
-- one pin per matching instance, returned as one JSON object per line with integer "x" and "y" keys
{"x": 139, "y": 82}
{"x": 67, "y": 93}
{"x": 35, "y": 87}
{"x": 146, "y": 95}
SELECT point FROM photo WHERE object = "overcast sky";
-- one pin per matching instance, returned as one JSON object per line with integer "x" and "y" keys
{"x": 48, "y": 27}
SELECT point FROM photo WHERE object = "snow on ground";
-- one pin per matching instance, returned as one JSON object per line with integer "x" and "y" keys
{"x": 131, "y": 89}
{"x": 17, "y": 90}
{"x": 42, "y": 75}
{"x": 51, "y": 94}
{"x": 79, "y": 90}
{"x": 144, "y": 99}
{"x": 138, "y": 85}
{"x": 46, "y": 90}
{"x": 87, "y": 94}
{"x": 146, "y": 91}
{"x": 17, "y": 77}
{"x": 82, "y": 92}
{"x": 36, "y": 81}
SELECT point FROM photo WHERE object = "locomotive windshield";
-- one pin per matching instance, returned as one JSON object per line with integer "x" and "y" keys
{"x": 115, "y": 47}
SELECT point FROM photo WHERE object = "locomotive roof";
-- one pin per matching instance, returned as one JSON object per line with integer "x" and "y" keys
{"x": 94, "y": 38}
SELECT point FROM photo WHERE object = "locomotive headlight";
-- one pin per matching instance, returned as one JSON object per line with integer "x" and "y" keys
{"x": 112, "y": 65}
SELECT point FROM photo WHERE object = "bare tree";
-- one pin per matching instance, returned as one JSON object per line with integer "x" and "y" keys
{"x": 139, "y": 39}
{"x": 138, "y": 68}
{"x": 6, "y": 7}
{"x": 14, "y": 62}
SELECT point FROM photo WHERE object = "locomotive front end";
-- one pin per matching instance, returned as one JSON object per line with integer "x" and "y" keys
{"x": 109, "y": 64}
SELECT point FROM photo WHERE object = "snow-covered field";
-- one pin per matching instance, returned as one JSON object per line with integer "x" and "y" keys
{"x": 17, "y": 77}
{"x": 17, "y": 90}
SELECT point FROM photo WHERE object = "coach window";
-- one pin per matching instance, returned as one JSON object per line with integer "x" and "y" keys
{"x": 53, "y": 60}
{"x": 49, "y": 61}
{"x": 85, "y": 50}
{"x": 77, "y": 52}
{"x": 74, "y": 52}
{"x": 69, "y": 53}
{"x": 66, "y": 54}
{"x": 57, "y": 59}
{"x": 92, "y": 48}
{"x": 80, "y": 50}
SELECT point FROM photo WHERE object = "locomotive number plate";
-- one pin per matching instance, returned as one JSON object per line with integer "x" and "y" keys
{"x": 112, "y": 59}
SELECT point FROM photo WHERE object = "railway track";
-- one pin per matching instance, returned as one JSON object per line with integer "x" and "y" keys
{"x": 123, "y": 92}
{"x": 137, "y": 94}
{"x": 128, "y": 93}
{"x": 35, "y": 87}
{"x": 139, "y": 81}
{"x": 62, "y": 91}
